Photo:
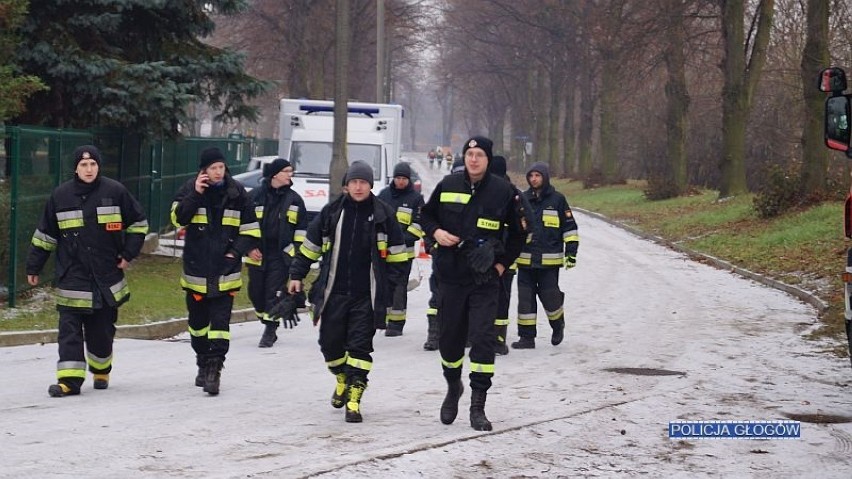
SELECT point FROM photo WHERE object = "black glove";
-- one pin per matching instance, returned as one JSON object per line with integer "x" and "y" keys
{"x": 285, "y": 310}
{"x": 480, "y": 258}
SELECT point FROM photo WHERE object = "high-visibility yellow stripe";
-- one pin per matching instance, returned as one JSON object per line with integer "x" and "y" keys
{"x": 481, "y": 368}
{"x": 359, "y": 363}
{"x": 452, "y": 364}
{"x": 487, "y": 224}
{"x": 219, "y": 335}
{"x": 451, "y": 197}
{"x": 337, "y": 362}
{"x": 198, "y": 333}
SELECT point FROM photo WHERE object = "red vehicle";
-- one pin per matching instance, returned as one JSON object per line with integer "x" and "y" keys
{"x": 837, "y": 136}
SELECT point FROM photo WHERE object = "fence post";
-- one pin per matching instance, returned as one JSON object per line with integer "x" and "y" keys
{"x": 14, "y": 158}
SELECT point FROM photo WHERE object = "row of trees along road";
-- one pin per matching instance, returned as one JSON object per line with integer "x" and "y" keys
{"x": 682, "y": 92}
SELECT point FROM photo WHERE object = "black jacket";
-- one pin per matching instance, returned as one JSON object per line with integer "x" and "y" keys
{"x": 283, "y": 220}
{"x": 324, "y": 240}
{"x": 407, "y": 202}
{"x": 557, "y": 234}
{"x": 91, "y": 227}
{"x": 475, "y": 213}
{"x": 218, "y": 222}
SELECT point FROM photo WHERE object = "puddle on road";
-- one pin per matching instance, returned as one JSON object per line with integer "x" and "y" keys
{"x": 818, "y": 418}
{"x": 645, "y": 371}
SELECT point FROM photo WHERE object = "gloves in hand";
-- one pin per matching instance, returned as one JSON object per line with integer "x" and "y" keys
{"x": 570, "y": 262}
{"x": 481, "y": 258}
{"x": 285, "y": 310}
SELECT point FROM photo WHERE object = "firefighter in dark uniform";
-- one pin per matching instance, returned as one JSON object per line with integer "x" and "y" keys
{"x": 467, "y": 214}
{"x": 523, "y": 211}
{"x": 362, "y": 250}
{"x": 538, "y": 265}
{"x": 96, "y": 228}
{"x": 434, "y": 328}
{"x": 283, "y": 221}
{"x": 402, "y": 196}
{"x": 221, "y": 228}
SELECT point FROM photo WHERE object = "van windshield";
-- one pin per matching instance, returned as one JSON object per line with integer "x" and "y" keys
{"x": 314, "y": 158}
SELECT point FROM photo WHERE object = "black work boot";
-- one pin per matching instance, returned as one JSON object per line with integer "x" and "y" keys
{"x": 212, "y": 375}
{"x": 524, "y": 343}
{"x": 558, "y": 332}
{"x": 450, "y": 406}
{"x": 432, "y": 333}
{"x": 202, "y": 371}
{"x": 500, "y": 347}
{"x": 338, "y": 397}
{"x": 269, "y": 335}
{"x": 394, "y": 328}
{"x": 478, "y": 420}
{"x": 101, "y": 381}
{"x": 62, "y": 389}
{"x": 353, "y": 402}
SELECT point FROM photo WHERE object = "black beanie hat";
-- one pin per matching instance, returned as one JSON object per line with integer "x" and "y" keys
{"x": 479, "y": 142}
{"x": 88, "y": 152}
{"x": 209, "y": 156}
{"x": 274, "y": 167}
{"x": 498, "y": 166}
{"x": 458, "y": 165}
{"x": 402, "y": 169}
{"x": 359, "y": 170}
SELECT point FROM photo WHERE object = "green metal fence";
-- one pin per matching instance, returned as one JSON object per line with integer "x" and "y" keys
{"x": 38, "y": 159}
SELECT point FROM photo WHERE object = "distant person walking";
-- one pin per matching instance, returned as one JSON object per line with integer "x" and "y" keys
{"x": 221, "y": 228}
{"x": 96, "y": 228}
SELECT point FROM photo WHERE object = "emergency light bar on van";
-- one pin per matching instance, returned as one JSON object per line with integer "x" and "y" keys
{"x": 330, "y": 109}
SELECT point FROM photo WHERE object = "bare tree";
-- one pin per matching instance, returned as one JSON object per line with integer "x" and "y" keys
{"x": 814, "y": 58}
{"x": 743, "y": 63}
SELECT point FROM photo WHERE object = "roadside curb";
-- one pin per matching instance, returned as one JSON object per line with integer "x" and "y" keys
{"x": 158, "y": 330}
{"x": 801, "y": 294}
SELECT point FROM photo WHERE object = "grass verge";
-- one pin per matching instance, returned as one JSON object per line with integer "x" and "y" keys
{"x": 805, "y": 247}
{"x": 155, "y": 295}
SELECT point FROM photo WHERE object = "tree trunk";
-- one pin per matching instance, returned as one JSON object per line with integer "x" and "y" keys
{"x": 814, "y": 57}
{"x": 740, "y": 81}
{"x": 568, "y": 133}
{"x": 677, "y": 97}
{"x": 609, "y": 117}
{"x": 541, "y": 103}
{"x": 553, "y": 122}
{"x": 339, "y": 155}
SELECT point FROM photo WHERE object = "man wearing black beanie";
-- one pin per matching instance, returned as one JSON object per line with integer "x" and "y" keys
{"x": 401, "y": 196}
{"x": 471, "y": 216}
{"x": 96, "y": 228}
{"x": 362, "y": 250}
{"x": 221, "y": 227}
{"x": 283, "y": 220}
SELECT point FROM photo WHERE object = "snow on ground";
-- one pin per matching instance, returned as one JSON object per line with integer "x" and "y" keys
{"x": 561, "y": 411}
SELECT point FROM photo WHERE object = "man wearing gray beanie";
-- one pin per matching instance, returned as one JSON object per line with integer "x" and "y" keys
{"x": 362, "y": 250}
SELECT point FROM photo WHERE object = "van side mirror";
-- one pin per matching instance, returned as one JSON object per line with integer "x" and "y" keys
{"x": 832, "y": 80}
{"x": 837, "y": 129}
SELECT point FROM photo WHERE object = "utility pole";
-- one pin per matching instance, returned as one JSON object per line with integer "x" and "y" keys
{"x": 380, "y": 51}
{"x": 339, "y": 163}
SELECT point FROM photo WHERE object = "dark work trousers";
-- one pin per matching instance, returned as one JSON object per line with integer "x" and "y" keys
{"x": 501, "y": 322}
{"x": 209, "y": 325}
{"x": 265, "y": 282}
{"x": 432, "y": 310}
{"x": 96, "y": 330}
{"x": 397, "y": 313}
{"x": 346, "y": 334}
{"x": 467, "y": 311}
{"x": 544, "y": 284}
